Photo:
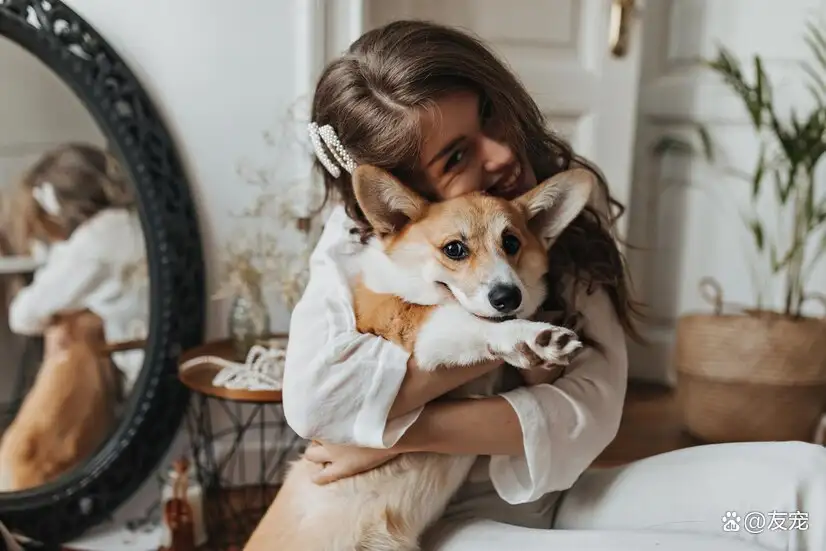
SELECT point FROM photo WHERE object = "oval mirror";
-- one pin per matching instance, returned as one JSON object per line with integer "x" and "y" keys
{"x": 101, "y": 276}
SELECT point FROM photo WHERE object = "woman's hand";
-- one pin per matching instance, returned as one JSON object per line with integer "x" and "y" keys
{"x": 542, "y": 374}
{"x": 339, "y": 462}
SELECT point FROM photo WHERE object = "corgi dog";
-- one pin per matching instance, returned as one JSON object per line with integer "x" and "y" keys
{"x": 454, "y": 283}
{"x": 69, "y": 411}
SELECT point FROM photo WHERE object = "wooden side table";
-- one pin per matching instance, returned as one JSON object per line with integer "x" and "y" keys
{"x": 199, "y": 377}
{"x": 240, "y": 446}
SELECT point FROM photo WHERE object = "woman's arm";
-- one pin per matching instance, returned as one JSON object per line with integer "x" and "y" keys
{"x": 421, "y": 387}
{"x": 475, "y": 427}
{"x": 484, "y": 426}
{"x": 541, "y": 437}
{"x": 342, "y": 386}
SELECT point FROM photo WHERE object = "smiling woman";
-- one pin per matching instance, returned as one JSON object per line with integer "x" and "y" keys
{"x": 464, "y": 151}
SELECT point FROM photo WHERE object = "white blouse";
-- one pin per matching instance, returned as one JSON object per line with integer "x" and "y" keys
{"x": 102, "y": 268}
{"x": 339, "y": 384}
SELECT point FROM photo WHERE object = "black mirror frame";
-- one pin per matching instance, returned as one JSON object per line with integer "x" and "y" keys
{"x": 75, "y": 52}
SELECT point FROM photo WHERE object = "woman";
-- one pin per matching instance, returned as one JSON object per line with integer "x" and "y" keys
{"x": 434, "y": 107}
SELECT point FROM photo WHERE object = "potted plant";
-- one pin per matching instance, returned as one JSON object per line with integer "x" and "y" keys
{"x": 759, "y": 373}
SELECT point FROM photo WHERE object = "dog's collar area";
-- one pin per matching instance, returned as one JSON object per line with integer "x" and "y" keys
{"x": 496, "y": 318}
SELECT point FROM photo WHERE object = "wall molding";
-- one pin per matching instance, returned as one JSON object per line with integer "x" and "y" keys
{"x": 325, "y": 28}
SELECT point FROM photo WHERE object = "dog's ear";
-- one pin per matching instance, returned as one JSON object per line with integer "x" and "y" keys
{"x": 554, "y": 203}
{"x": 387, "y": 203}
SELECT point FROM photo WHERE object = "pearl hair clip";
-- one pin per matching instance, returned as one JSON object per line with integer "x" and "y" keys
{"x": 46, "y": 197}
{"x": 327, "y": 135}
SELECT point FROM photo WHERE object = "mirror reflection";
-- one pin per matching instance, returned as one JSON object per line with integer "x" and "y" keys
{"x": 73, "y": 279}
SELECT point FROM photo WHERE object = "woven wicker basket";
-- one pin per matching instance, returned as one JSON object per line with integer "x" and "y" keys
{"x": 750, "y": 376}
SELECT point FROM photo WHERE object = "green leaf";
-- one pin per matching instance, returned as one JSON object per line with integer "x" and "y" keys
{"x": 728, "y": 67}
{"x": 759, "y": 172}
{"x": 782, "y": 187}
{"x": 809, "y": 205}
{"x": 818, "y": 38}
{"x": 795, "y": 121}
{"x": 817, "y": 44}
{"x": 787, "y": 140}
{"x": 789, "y": 184}
{"x": 760, "y": 92}
{"x": 810, "y": 139}
{"x": 705, "y": 140}
{"x": 775, "y": 263}
{"x": 818, "y": 84}
{"x": 757, "y": 232}
{"x": 755, "y": 109}
{"x": 819, "y": 252}
{"x": 794, "y": 250}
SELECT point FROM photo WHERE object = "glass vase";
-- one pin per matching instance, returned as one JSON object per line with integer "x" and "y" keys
{"x": 249, "y": 322}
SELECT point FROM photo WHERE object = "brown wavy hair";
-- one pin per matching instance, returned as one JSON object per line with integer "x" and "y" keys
{"x": 86, "y": 179}
{"x": 373, "y": 94}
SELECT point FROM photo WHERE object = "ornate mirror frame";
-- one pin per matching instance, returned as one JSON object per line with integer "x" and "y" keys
{"x": 70, "y": 47}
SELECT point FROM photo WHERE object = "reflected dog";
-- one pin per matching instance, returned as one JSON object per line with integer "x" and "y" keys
{"x": 69, "y": 411}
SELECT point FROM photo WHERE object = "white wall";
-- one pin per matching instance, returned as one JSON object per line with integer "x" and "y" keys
{"x": 685, "y": 214}
{"x": 37, "y": 111}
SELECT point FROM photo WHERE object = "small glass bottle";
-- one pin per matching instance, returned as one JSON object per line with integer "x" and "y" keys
{"x": 249, "y": 318}
{"x": 181, "y": 484}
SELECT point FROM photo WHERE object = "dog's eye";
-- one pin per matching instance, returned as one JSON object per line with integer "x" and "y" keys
{"x": 455, "y": 250}
{"x": 510, "y": 244}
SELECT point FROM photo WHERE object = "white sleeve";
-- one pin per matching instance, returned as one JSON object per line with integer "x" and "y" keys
{"x": 339, "y": 384}
{"x": 61, "y": 284}
{"x": 567, "y": 424}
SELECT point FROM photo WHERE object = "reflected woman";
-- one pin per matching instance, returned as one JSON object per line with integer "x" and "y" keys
{"x": 76, "y": 201}
{"x": 90, "y": 289}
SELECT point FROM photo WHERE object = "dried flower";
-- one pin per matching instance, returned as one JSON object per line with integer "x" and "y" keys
{"x": 275, "y": 235}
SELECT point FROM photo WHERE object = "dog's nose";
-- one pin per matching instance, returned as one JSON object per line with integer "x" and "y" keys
{"x": 505, "y": 298}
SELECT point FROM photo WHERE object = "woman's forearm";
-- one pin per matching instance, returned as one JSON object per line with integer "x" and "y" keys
{"x": 484, "y": 426}
{"x": 421, "y": 387}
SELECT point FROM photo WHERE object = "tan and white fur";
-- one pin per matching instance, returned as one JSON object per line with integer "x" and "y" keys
{"x": 70, "y": 409}
{"x": 453, "y": 283}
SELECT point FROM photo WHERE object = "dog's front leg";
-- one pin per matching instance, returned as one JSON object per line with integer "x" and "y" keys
{"x": 452, "y": 336}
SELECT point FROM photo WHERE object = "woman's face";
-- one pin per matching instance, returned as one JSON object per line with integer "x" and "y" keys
{"x": 463, "y": 152}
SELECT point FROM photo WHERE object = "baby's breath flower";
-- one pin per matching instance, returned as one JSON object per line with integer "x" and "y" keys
{"x": 270, "y": 246}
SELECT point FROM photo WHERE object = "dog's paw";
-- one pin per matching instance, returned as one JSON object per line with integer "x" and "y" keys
{"x": 527, "y": 344}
